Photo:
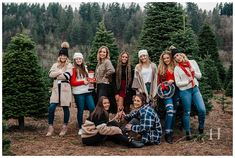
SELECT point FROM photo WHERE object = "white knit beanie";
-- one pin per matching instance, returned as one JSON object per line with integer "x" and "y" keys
{"x": 142, "y": 52}
{"x": 77, "y": 55}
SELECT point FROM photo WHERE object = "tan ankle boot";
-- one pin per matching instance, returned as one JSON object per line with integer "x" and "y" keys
{"x": 50, "y": 131}
{"x": 64, "y": 130}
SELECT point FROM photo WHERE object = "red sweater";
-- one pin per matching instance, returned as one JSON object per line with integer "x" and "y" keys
{"x": 167, "y": 77}
{"x": 74, "y": 81}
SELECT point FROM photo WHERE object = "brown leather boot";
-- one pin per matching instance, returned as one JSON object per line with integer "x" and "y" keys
{"x": 64, "y": 130}
{"x": 50, "y": 131}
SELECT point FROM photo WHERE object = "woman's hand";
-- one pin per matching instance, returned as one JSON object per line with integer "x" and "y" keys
{"x": 117, "y": 97}
{"x": 128, "y": 127}
{"x": 85, "y": 82}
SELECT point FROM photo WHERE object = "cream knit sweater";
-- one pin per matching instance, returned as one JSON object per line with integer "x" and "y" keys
{"x": 182, "y": 80}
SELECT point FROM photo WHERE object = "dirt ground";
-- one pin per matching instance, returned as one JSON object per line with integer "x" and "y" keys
{"x": 218, "y": 139}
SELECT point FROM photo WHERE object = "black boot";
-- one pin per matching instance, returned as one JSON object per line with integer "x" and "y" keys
{"x": 136, "y": 144}
{"x": 201, "y": 130}
{"x": 168, "y": 138}
{"x": 188, "y": 135}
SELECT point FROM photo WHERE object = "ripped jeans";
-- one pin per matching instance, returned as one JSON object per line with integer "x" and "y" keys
{"x": 187, "y": 96}
{"x": 170, "y": 115}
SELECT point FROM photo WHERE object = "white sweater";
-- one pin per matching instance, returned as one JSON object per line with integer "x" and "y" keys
{"x": 182, "y": 80}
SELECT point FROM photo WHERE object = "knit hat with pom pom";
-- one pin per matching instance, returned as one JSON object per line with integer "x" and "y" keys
{"x": 64, "y": 49}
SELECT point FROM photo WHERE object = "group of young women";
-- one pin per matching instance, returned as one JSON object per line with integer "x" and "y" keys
{"x": 137, "y": 86}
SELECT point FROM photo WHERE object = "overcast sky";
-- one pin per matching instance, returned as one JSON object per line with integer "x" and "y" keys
{"x": 203, "y": 4}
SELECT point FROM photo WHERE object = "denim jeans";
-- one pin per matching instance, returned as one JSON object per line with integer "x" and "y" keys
{"x": 80, "y": 100}
{"x": 171, "y": 105}
{"x": 187, "y": 96}
{"x": 51, "y": 114}
{"x": 170, "y": 115}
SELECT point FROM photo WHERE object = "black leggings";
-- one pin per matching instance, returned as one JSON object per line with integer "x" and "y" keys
{"x": 97, "y": 139}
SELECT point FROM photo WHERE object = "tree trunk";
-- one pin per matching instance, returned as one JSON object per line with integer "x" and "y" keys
{"x": 21, "y": 122}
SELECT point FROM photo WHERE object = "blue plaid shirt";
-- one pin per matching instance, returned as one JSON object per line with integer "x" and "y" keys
{"x": 149, "y": 127}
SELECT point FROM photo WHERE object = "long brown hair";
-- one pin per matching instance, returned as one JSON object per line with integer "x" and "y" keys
{"x": 162, "y": 67}
{"x": 119, "y": 69}
{"x": 81, "y": 69}
{"x": 99, "y": 109}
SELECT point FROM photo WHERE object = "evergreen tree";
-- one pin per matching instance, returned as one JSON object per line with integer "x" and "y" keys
{"x": 228, "y": 84}
{"x": 204, "y": 83}
{"x": 24, "y": 88}
{"x": 210, "y": 70}
{"x": 185, "y": 41}
{"x": 229, "y": 75}
{"x": 207, "y": 46}
{"x": 229, "y": 89}
{"x": 102, "y": 38}
{"x": 193, "y": 16}
{"x": 162, "y": 19}
{"x": 6, "y": 143}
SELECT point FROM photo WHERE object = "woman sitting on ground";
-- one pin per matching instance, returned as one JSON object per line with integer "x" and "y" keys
{"x": 98, "y": 128}
{"x": 149, "y": 124}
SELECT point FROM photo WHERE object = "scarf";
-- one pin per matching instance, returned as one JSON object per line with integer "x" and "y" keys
{"x": 183, "y": 66}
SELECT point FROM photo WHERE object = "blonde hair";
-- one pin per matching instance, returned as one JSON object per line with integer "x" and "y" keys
{"x": 148, "y": 61}
{"x": 107, "y": 55}
{"x": 162, "y": 67}
{"x": 60, "y": 64}
{"x": 185, "y": 58}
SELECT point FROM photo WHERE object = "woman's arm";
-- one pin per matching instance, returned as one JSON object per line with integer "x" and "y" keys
{"x": 74, "y": 81}
{"x": 178, "y": 78}
{"x": 54, "y": 72}
{"x": 197, "y": 71}
{"x": 146, "y": 123}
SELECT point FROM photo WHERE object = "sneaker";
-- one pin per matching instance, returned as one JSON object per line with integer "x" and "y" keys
{"x": 80, "y": 132}
{"x": 64, "y": 130}
{"x": 50, "y": 131}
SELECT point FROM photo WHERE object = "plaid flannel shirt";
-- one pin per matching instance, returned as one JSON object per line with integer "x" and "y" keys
{"x": 149, "y": 127}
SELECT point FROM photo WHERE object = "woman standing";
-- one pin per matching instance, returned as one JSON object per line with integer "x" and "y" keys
{"x": 186, "y": 75}
{"x": 103, "y": 73}
{"x": 149, "y": 124}
{"x": 124, "y": 79}
{"x": 80, "y": 88}
{"x": 61, "y": 91}
{"x": 98, "y": 128}
{"x": 166, "y": 75}
{"x": 145, "y": 78}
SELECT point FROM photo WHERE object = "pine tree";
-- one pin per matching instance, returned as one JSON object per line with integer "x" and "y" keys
{"x": 208, "y": 46}
{"x": 229, "y": 75}
{"x": 204, "y": 83}
{"x": 162, "y": 19}
{"x": 229, "y": 89}
{"x": 185, "y": 41}
{"x": 210, "y": 70}
{"x": 194, "y": 17}
{"x": 102, "y": 38}
{"x": 228, "y": 84}
{"x": 24, "y": 89}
